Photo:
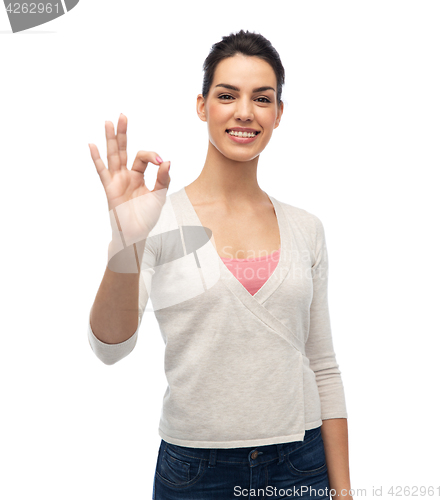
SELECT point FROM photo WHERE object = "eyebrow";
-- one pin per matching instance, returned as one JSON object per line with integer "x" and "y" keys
{"x": 232, "y": 87}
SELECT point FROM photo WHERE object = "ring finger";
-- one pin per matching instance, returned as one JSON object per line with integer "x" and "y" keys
{"x": 112, "y": 148}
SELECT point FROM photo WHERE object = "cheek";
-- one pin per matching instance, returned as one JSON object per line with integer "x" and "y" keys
{"x": 216, "y": 114}
{"x": 269, "y": 120}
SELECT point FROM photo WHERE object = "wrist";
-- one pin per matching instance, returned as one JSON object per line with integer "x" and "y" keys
{"x": 125, "y": 259}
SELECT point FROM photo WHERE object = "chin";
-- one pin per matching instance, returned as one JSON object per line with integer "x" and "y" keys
{"x": 243, "y": 158}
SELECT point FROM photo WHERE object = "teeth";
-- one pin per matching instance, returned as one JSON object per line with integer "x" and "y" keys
{"x": 242, "y": 134}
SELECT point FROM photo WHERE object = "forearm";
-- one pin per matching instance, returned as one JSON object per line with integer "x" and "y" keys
{"x": 335, "y": 436}
{"x": 114, "y": 315}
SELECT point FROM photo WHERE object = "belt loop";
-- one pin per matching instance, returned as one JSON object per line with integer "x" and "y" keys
{"x": 280, "y": 453}
{"x": 213, "y": 453}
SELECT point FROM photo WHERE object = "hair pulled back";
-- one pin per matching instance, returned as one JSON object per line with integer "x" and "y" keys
{"x": 246, "y": 43}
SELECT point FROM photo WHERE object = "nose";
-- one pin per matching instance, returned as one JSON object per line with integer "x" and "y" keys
{"x": 244, "y": 110}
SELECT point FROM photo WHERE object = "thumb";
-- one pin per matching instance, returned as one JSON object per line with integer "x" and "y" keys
{"x": 163, "y": 176}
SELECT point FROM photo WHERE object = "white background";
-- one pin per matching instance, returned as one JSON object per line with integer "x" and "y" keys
{"x": 360, "y": 145}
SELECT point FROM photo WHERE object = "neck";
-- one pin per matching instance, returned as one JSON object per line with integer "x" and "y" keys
{"x": 223, "y": 180}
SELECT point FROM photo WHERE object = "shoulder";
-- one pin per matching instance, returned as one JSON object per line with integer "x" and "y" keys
{"x": 309, "y": 223}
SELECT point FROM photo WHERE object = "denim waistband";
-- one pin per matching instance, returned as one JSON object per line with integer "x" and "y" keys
{"x": 250, "y": 455}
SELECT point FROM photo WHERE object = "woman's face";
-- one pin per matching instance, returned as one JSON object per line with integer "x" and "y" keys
{"x": 242, "y": 95}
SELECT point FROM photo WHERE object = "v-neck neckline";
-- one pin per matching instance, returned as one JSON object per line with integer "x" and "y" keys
{"x": 279, "y": 273}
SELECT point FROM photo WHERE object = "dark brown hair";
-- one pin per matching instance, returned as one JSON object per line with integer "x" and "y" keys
{"x": 246, "y": 43}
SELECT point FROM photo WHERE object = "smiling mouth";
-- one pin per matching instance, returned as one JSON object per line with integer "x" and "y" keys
{"x": 236, "y": 133}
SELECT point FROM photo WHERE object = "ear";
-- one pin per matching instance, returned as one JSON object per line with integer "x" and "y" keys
{"x": 279, "y": 115}
{"x": 200, "y": 108}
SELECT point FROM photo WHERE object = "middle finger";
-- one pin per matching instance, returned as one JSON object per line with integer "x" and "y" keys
{"x": 122, "y": 125}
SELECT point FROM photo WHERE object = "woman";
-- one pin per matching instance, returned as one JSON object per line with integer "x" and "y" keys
{"x": 238, "y": 280}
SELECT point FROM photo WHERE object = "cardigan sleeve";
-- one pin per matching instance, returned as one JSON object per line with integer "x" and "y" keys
{"x": 319, "y": 345}
{"x": 112, "y": 353}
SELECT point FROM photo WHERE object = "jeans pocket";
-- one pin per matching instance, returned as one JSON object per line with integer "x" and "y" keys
{"x": 309, "y": 458}
{"x": 177, "y": 469}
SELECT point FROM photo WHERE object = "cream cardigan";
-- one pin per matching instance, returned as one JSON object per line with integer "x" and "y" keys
{"x": 242, "y": 370}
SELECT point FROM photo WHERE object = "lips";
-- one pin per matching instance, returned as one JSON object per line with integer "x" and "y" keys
{"x": 242, "y": 140}
{"x": 237, "y": 129}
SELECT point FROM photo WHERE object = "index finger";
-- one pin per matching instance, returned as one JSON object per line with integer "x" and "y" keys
{"x": 143, "y": 158}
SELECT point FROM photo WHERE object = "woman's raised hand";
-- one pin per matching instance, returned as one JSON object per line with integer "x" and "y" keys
{"x": 132, "y": 205}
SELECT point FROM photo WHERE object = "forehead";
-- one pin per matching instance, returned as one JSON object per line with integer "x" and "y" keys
{"x": 244, "y": 72}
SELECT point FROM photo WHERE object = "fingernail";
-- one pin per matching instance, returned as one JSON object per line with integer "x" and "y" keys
{"x": 159, "y": 159}
{"x": 169, "y": 167}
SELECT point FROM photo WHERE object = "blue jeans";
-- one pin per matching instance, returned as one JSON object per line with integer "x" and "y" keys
{"x": 277, "y": 471}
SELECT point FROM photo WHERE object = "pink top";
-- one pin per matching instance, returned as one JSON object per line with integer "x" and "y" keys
{"x": 253, "y": 273}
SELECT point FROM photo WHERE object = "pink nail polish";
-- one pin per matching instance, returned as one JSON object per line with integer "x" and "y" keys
{"x": 159, "y": 159}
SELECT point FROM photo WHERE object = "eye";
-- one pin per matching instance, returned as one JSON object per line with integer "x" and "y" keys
{"x": 266, "y": 99}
